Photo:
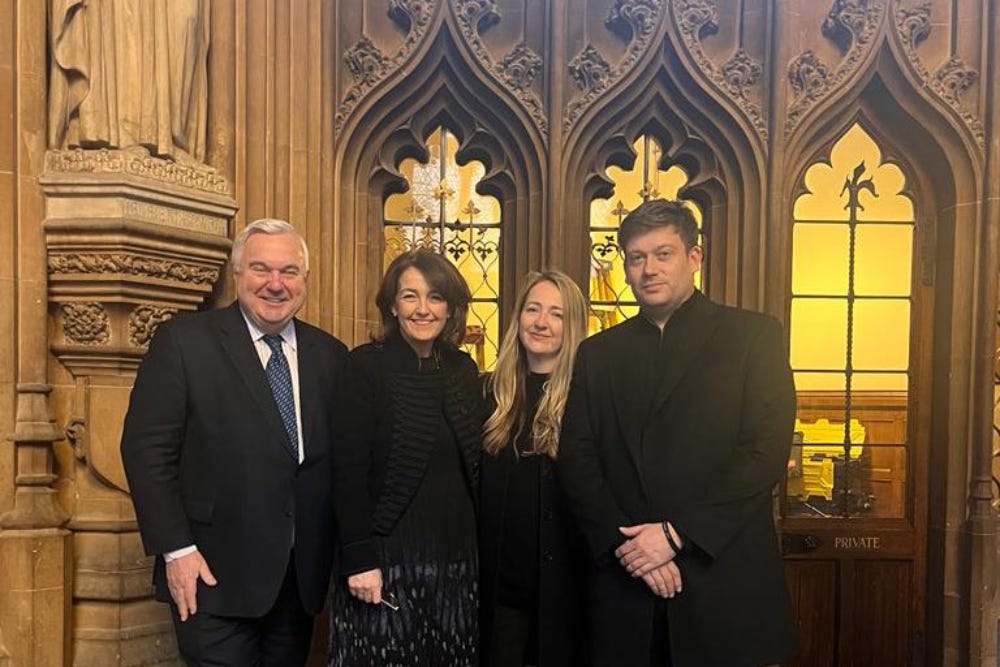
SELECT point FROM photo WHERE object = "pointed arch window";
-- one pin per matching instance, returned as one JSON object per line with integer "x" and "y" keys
{"x": 442, "y": 211}
{"x": 651, "y": 177}
{"x": 851, "y": 305}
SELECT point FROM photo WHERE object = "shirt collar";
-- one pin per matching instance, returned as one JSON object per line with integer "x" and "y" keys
{"x": 287, "y": 333}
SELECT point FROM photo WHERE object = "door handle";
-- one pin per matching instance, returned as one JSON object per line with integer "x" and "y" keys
{"x": 797, "y": 543}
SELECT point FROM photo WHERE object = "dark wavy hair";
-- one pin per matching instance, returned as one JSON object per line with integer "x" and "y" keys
{"x": 442, "y": 276}
{"x": 657, "y": 213}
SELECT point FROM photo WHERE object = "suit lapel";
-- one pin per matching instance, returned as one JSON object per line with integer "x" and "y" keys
{"x": 626, "y": 377}
{"x": 308, "y": 385}
{"x": 691, "y": 331}
{"x": 235, "y": 339}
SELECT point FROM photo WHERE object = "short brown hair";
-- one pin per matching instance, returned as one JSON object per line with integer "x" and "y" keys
{"x": 442, "y": 276}
{"x": 657, "y": 213}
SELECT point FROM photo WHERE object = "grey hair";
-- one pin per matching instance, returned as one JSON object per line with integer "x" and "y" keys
{"x": 265, "y": 226}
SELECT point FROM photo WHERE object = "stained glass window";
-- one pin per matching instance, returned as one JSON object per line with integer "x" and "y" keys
{"x": 852, "y": 250}
{"x": 442, "y": 211}
{"x": 611, "y": 300}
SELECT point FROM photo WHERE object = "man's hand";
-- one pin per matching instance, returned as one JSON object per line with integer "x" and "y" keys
{"x": 645, "y": 550}
{"x": 182, "y": 580}
{"x": 366, "y": 586}
{"x": 665, "y": 580}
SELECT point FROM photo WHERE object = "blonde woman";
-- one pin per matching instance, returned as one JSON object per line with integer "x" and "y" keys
{"x": 532, "y": 576}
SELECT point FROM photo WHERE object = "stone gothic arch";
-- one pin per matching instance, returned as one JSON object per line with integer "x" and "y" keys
{"x": 442, "y": 89}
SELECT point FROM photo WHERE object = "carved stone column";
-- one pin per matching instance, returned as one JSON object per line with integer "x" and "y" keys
{"x": 131, "y": 240}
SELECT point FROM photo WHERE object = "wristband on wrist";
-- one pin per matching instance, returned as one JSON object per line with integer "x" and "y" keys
{"x": 670, "y": 540}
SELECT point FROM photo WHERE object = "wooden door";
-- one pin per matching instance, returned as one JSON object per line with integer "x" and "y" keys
{"x": 853, "y": 507}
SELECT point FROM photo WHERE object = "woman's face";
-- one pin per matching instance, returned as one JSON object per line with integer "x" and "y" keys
{"x": 420, "y": 310}
{"x": 540, "y": 326}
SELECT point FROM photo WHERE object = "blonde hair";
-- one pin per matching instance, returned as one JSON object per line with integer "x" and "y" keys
{"x": 507, "y": 383}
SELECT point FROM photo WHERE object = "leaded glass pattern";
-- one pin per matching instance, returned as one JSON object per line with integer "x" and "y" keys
{"x": 611, "y": 300}
{"x": 852, "y": 256}
{"x": 443, "y": 212}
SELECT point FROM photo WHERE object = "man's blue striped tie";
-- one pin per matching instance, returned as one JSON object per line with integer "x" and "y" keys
{"x": 280, "y": 378}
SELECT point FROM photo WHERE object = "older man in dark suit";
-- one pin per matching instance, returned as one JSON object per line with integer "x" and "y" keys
{"x": 226, "y": 447}
{"x": 677, "y": 427}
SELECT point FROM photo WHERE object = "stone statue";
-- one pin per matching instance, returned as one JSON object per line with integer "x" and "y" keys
{"x": 130, "y": 73}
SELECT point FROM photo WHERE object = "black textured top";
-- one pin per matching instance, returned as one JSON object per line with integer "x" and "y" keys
{"x": 387, "y": 422}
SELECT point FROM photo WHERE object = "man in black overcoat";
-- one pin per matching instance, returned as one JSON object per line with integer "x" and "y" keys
{"x": 678, "y": 426}
{"x": 226, "y": 446}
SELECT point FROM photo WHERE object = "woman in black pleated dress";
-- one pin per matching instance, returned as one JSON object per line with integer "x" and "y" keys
{"x": 406, "y": 451}
{"x": 533, "y": 558}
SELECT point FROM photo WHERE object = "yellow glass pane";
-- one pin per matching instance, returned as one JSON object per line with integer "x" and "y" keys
{"x": 433, "y": 184}
{"x": 826, "y": 198}
{"x": 819, "y": 382}
{"x": 819, "y": 259}
{"x": 819, "y": 333}
{"x": 883, "y": 260}
{"x": 881, "y": 334}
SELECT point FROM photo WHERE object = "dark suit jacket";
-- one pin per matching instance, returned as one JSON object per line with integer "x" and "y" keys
{"x": 207, "y": 461}
{"x": 693, "y": 427}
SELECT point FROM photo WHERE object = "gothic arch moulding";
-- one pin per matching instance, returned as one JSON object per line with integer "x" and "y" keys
{"x": 441, "y": 89}
{"x": 724, "y": 164}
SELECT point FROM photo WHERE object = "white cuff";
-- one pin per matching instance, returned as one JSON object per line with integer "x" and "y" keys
{"x": 174, "y": 555}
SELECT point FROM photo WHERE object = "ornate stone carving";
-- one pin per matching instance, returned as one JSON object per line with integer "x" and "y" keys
{"x": 86, "y": 323}
{"x": 590, "y": 70}
{"x": 632, "y": 17}
{"x": 478, "y": 14}
{"x": 139, "y": 163}
{"x": 365, "y": 61}
{"x": 737, "y": 76}
{"x": 520, "y": 67}
{"x": 951, "y": 80}
{"x": 516, "y": 71}
{"x": 143, "y": 322}
{"x": 146, "y": 267}
{"x": 637, "y": 21}
{"x": 76, "y": 434}
{"x": 848, "y": 19}
{"x": 697, "y": 17}
{"x": 914, "y": 24}
{"x": 808, "y": 75}
{"x": 740, "y": 73}
{"x": 851, "y": 24}
{"x": 413, "y": 16}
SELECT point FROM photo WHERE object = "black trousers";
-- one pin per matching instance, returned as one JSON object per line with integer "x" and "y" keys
{"x": 280, "y": 638}
{"x": 514, "y": 640}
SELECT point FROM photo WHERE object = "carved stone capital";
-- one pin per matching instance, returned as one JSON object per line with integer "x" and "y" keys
{"x": 142, "y": 243}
